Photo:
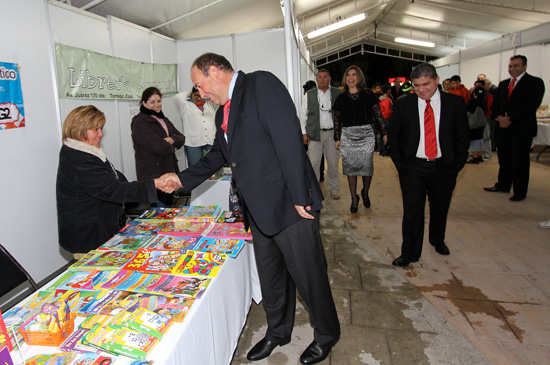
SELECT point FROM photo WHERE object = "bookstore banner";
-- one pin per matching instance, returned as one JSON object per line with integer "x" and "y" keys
{"x": 12, "y": 113}
{"x": 84, "y": 74}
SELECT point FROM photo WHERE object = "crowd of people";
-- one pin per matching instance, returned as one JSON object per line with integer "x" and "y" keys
{"x": 249, "y": 121}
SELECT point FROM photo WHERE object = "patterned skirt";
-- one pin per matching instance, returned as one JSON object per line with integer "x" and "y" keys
{"x": 357, "y": 145}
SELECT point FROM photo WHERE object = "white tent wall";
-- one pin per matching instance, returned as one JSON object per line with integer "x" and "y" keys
{"x": 30, "y": 154}
{"x": 118, "y": 38}
{"x": 491, "y": 58}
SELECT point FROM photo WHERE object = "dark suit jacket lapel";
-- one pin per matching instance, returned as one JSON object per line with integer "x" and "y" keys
{"x": 416, "y": 119}
{"x": 235, "y": 103}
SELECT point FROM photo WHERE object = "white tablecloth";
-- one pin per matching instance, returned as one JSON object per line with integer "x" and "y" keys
{"x": 212, "y": 192}
{"x": 210, "y": 332}
{"x": 543, "y": 135}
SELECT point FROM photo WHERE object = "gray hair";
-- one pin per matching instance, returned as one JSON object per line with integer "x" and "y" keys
{"x": 424, "y": 70}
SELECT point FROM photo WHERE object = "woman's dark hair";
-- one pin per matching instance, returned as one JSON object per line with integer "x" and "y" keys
{"x": 150, "y": 91}
{"x": 310, "y": 84}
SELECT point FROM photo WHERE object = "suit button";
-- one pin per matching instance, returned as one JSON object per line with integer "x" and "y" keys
{"x": 233, "y": 164}
{"x": 309, "y": 191}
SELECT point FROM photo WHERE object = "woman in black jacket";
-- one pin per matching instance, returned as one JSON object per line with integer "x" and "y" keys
{"x": 90, "y": 192}
{"x": 155, "y": 142}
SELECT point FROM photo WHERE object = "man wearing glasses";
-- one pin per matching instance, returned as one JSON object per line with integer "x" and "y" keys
{"x": 318, "y": 130}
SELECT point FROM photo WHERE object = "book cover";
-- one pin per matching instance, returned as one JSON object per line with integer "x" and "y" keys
{"x": 153, "y": 261}
{"x": 184, "y": 228}
{"x": 98, "y": 336}
{"x": 201, "y": 213}
{"x": 62, "y": 279}
{"x": 131, "y": 343}
{"x": 173, "y": 242}
{"x": 199, "y": 264}
{"x": 229, "y": 216}
{"x": 175, "y": 308}
{"x": 158, "y": 214}
{"x": 111, "y": 302}
{"x": 179, "y": 286}
{"x": 221, "y": 246}
{"x": 91, "y": 359}
{"x": 74, "y": 343}
{"x": 135, "y": 228}
{"x": 125, "y": 242}
{"x": 229, "y": 230}
{"x": 94, "y": 319}
{"x": 149, "y": 322}
{"x": 84, "y": 280}
{"x": 4, "y": 336}
{"x": 102, "y": 261}
{"x": 5, "y": 357}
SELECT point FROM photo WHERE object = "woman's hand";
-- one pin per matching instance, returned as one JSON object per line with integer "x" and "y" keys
{"x": 337, "y": 145}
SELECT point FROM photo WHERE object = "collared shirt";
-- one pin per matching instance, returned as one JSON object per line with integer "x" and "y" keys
{"x": 230, "y": 94}
{"x": 325, "y": 110}
{"x": 517, "y": 79}
{"x": 435, "y": 102}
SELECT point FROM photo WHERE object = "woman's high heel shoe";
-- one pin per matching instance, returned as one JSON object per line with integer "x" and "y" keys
{"x": 366, "y": 199}
{"x": 353, "y": 207}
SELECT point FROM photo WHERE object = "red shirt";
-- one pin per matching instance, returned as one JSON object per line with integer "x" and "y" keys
{"x": 461, "y": 91}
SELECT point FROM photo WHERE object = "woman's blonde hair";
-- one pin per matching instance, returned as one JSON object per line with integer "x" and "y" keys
{"x": 80, "y": 120}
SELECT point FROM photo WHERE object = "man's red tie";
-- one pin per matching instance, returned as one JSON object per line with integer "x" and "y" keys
{"x": 226, "y": 115}
{"x": 430, "y": 141}
{"x": 511, "y": 87}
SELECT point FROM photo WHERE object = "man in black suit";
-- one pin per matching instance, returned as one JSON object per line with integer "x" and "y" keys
{"x": 514, "y": 109}
{"x": 428, "y": 140}
{"x": 260, "y": 137}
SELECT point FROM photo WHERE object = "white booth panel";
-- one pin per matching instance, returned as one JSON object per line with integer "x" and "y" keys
{"x": 447, "y": 71}
{"x": 488, "y": 65}
{"x": 130, "y": 42}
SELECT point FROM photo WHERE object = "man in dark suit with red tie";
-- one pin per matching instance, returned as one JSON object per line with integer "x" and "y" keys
{"x": 261, "y": 138}
{"x": 428, "y": 140}
{"x": 514, "y": 109}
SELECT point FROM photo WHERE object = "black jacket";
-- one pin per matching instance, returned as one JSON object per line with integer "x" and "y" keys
{"x": 90, "y": 199}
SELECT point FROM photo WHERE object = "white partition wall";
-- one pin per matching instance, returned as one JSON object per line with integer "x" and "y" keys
{"x": 29, "y": 155}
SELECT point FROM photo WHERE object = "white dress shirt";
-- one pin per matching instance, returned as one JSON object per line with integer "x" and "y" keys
{"x": 435, "y": 102}
{"x": 325, "y": 110}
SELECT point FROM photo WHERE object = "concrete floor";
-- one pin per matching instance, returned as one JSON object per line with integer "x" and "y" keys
{"x": 486, "y": 303}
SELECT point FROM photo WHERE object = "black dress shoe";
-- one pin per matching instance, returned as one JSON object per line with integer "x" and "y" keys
{"x": 264, "y": 348}
{"x": 353, "y": 207}
{"x": 366, "y": 199}
{"x": 403, "y": 261}
{"x": 517, "y": 198}
{"x": 495, "y": 189}
{"x": 316, "y": 352}
{"x": 442, "y": 249}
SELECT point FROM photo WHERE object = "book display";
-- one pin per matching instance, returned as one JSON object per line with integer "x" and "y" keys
{"x": 123, "y": 298}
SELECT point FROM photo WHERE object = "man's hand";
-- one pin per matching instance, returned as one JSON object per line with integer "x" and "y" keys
{"x": 168, "y": 183}
{"x": 337, "y": 145}
{"x": 306, "y": 139}
{"x": 303, "y": 211}
{"x": 503, "y": 122}
{"x": 169, "y": 140}
{"x": 385, "y": 139}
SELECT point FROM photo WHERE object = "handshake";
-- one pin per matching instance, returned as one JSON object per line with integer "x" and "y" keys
{"x": 168, "y": 183}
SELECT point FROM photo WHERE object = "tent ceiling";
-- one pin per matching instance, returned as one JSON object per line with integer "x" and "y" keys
{"x": 451, "y": 24}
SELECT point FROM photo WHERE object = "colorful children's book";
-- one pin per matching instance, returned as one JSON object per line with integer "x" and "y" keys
{"x": 94, "y": 319}
{"x": 199, "y": 264}
{"x": 184, "y": 228}
{"x": 4, "y": 336}
{"x": 158, "y": 214}
{"x": 74, "y": 343}
{"x": 5, "y": 357}
{"x": 127, "y": 280}
{"x": 229, "y": 216}
{"x": 173, "y": 307}
{"x": 84, "y": 280}
{"x": 223, "y": 246}
{"x": 131, "y": 343}
{"x": 153, "y": 261}
{"x": 98, "y": 336}
{"x": 62, "y": 279}
{"x": 103, "y": 261}
{"x": 149, "y": 322}
{"x": 229, "y": 230}
{"x": 89, "y": 358}
{"x": 111, "y": 302}
{"x": 173, "y": 242}
{"x": 125, "y": 242}
{"x": 53, "y": 359}
{"x": 200, "y": 213}
{"x": 179, "y": 286}
{"x": 135, "y": 228}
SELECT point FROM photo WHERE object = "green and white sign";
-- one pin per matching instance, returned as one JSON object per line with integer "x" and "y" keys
{"x": 84, "y": 74}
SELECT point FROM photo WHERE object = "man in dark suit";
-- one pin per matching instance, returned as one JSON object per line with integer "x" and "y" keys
{"x": 514, "y": 109}
{"x": 428, "y": 140}
{"x": 258, "y": 133}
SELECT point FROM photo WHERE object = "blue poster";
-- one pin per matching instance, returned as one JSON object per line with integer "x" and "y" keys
{"x": 12, "y": 114}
